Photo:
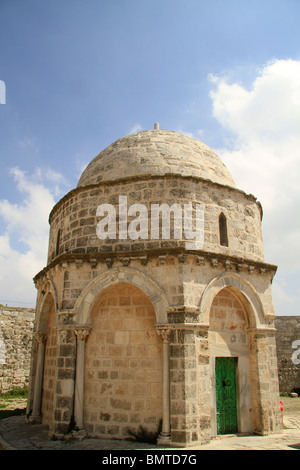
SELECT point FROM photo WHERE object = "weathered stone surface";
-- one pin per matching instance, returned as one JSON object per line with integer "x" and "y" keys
{"x": 84, "y": 240}
{"x": 288, "y": 352}
{"x": 155, "y": 152}
{"x": 16, "y": 329}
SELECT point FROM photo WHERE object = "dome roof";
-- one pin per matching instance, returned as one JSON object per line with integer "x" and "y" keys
{"x": 155, "y": 152}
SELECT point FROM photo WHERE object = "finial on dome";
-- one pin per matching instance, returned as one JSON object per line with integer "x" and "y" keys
{"x": 156, "y": 125}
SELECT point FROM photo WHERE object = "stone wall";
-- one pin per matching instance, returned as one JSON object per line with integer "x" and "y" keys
{"x": 73, "y": 220}
{"x": 16, "y": 327}
{"x": 288, "y": 352}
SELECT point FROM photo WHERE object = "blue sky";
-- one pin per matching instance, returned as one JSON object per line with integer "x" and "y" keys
{"x": 81, "y": 74}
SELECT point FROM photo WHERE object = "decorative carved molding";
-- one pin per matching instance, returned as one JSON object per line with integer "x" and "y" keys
{"x": 227, "y": 264}
{"x": 82, "y": 332}
{"x": 143, "y": 260}
{"x": 201, "y": 257}
{"x": 164, "y": 332}
{"x": 93, "y": 262}
{"x": 40, "y": 337}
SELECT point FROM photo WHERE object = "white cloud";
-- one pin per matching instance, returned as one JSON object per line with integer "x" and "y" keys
{"x": 29, "y": 142}
{"x": 187, "y": 133}
{"x": 281, "y": 295}
{"x": 137, "y": 127}
{"x": 263, "y": 152}
{"x": 24, "y": 238}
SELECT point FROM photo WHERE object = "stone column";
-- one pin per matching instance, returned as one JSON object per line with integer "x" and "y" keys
{"x": 37, "y": 398}
{"x": 204, "y": 384}
{"x": 264, "y": 374}
{"x": 189, "y": 381}
{"x": 82, "y": 333}
{"x": 65, "y": 377}
{"x": 165, "y": 435}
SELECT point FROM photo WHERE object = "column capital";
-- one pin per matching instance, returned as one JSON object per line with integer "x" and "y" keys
{"x": 40, "y": 337}
{"x": 164, "y": 331}
{"x": 82, "y": 332}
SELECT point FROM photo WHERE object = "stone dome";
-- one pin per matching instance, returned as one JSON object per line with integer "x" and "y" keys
{"x": 156, "y": 152}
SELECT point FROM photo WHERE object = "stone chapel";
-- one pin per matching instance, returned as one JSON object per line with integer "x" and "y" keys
{"x": 160, "y": 322}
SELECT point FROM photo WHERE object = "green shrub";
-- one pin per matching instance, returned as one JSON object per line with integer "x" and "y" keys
{"x": 15, "y": 393}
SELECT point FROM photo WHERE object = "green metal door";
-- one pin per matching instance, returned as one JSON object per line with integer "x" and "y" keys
{"x": 226, "y": 395}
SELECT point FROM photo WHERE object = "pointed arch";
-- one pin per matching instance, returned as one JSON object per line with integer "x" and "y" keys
{"x": 242, "y": 288}
{"x": 47, "y": 297}
{"x": 128, "y": 275}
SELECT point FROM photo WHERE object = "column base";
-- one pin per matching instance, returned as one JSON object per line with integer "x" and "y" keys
{"x": 164, "y": 439}
{"x": 79, "y": 433}
{"x": 34, "y": 419}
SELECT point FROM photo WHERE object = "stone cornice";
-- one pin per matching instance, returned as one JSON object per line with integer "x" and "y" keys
{"x": 216, "y": 260}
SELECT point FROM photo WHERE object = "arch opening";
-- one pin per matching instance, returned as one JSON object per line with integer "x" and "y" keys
{"x": 243, "y": 290}
{"x": 229, "y": 345}
{"x": 47, "y": 325}
{"x": 132, "y": 276}
{"x": 123, "y": 365}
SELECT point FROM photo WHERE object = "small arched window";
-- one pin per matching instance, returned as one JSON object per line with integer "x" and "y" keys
{"x": 57, "y": 242}
{"x": 223, "y": 230}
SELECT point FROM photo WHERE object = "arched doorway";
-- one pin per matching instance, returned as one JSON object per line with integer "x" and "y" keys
{"x": 123, "y": 365}
{"x": 50, "y": 362}
{"x": 230, "y": 363}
